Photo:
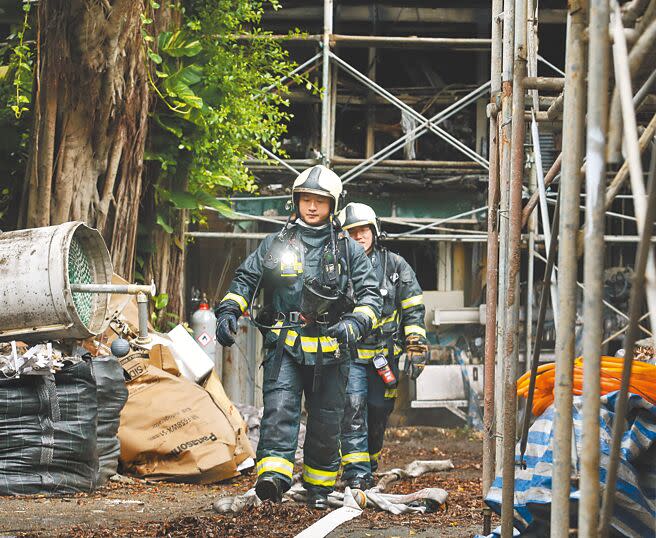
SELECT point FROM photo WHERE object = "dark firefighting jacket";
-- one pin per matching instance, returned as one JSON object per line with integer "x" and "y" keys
{"x": 280, "y": 266}
{"x": 403, "y": 307}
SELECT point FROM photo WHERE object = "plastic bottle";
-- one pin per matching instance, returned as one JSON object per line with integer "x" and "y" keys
{"x": 203, "y": 324}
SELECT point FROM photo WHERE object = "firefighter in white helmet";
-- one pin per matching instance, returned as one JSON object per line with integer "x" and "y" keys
{"x": 321, "y": 296}
{"x": 371, "y": 390}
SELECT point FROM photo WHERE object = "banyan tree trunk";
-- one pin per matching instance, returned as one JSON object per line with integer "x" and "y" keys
{"x": 90, "y": 121}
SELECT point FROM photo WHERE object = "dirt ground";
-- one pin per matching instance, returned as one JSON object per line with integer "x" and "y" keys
{"x": 139, "y": 508}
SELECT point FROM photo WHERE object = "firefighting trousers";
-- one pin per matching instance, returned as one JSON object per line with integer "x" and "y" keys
{"x": 282, "y": 415}
{"x": 369, "y": 404}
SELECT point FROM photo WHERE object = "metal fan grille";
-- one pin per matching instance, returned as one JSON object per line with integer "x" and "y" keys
{"x": 79, "y": 272}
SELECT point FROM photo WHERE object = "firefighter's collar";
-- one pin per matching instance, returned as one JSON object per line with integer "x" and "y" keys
{"x": 304, "y": 224}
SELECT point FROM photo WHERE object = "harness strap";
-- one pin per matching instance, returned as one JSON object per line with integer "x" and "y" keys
{"x": 390, "y": 348}
{"x": 318, "y": 366}
{"x": 272, "y": 374}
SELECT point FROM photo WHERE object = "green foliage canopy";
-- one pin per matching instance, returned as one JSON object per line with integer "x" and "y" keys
{"x": 213, "y": 107}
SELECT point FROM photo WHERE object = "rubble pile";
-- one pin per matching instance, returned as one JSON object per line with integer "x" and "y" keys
{"x": 17, "y": 359}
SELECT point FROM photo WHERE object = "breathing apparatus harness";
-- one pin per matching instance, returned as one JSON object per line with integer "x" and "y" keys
{"x": 322, "y": 300}
{"x": 388, "y": 338}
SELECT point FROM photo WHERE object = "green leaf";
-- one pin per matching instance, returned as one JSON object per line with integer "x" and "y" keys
{"x": 190, "y": 75}
{"x": 178, "y": 89}
{"x": 164, "y": 158}
{"x": 222, "y": 207}
{"x": 161, "y": 300}
{"x": 173, "y": 129}
{"x": 154, "y": 57}
{"x": 165, "y": 225}
{"x": 178, "y": 44}
{"x": 183, "y": 200}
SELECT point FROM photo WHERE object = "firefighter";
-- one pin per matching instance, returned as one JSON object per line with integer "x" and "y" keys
{"x": 370, "y": 396}
{"x": 321, "y": 296}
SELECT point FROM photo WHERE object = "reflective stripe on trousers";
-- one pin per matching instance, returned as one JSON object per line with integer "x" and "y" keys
{"x": 318, "y": 477}
{"x": 355, "y": 457}
{"x": 276, "y": 465}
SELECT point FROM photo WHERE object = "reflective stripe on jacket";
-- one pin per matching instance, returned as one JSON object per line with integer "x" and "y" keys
{"x": 403, "y": 307}
{"x": 297, "y": 258}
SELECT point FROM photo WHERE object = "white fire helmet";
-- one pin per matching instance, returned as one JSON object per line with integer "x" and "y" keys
{"x": 319, "y": 180}
{"x": 355, "y": 214}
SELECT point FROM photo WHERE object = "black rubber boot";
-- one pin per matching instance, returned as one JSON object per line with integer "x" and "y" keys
{"x": 269, "y": 488}
{"x": 361, "y": 482}
{"x": 317, "y": 500}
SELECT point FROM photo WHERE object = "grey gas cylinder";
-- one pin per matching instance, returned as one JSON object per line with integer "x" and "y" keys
{"x": 203, "y": 324}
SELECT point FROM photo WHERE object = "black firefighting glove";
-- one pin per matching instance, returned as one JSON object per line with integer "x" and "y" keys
{"x": 346, "y": 331}
{"x": 226, "y": 324}
{"x": 417, "y": 354}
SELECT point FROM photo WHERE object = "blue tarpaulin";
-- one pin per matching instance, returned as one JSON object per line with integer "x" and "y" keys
{"x": 635, "y": 500}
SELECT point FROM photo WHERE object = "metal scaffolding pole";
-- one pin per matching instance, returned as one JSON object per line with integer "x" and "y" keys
{"x": 492, "y": 272}
{"x": 326, "y": 105}
{"x": 533, "y": 95}
{"x": 539, "y": 330}
{"x": 623, "y": 173}
{"x": 415, "y": 133}
{"x": 549, "y": 177}
{"x": 632, "y": 145}
{"x": 504, "y": 182}
{"x": 570, "y": 184}
{"x": 511, "y": 310}
{"x": 437, "y": 238}
{"x": 544, "y": 212}
{"x": 278, "y": 159}
{"x": 295, "y": 71}
{"x": 645, "y": 210}
{"x": 635, "y": 306}
{"x": 463, "y": 148}
{"x": 593, "y": 262}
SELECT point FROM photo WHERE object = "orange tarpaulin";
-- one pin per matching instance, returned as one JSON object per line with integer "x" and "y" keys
{"x": 642, "y": 381}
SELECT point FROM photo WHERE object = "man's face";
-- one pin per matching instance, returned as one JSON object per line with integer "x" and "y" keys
{"x": 313, "y": 208}
{"x": 363, "y": 235}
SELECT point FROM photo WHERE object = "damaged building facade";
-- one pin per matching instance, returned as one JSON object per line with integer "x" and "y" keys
{"x": 399, "y": 111}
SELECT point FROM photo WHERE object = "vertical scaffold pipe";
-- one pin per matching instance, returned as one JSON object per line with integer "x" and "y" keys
{"x": 570, "y": 184}
{"x": 645, "y": 209}
{"x": 492, "y": 273}
{"x": 504, "y": 185}
{"x": 326, "y": 106}
{"x": 511, "y": 310}
{"x": 593, "y": 263}
{"x": 635, "y": 308}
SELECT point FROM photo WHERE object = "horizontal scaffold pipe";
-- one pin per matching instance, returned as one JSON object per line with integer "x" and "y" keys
{"x": 556, "y": 84}
{"x": 403, "y": 14}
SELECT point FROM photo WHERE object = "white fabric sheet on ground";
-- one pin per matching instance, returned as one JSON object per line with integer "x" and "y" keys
{"x": 331, "y": 521}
